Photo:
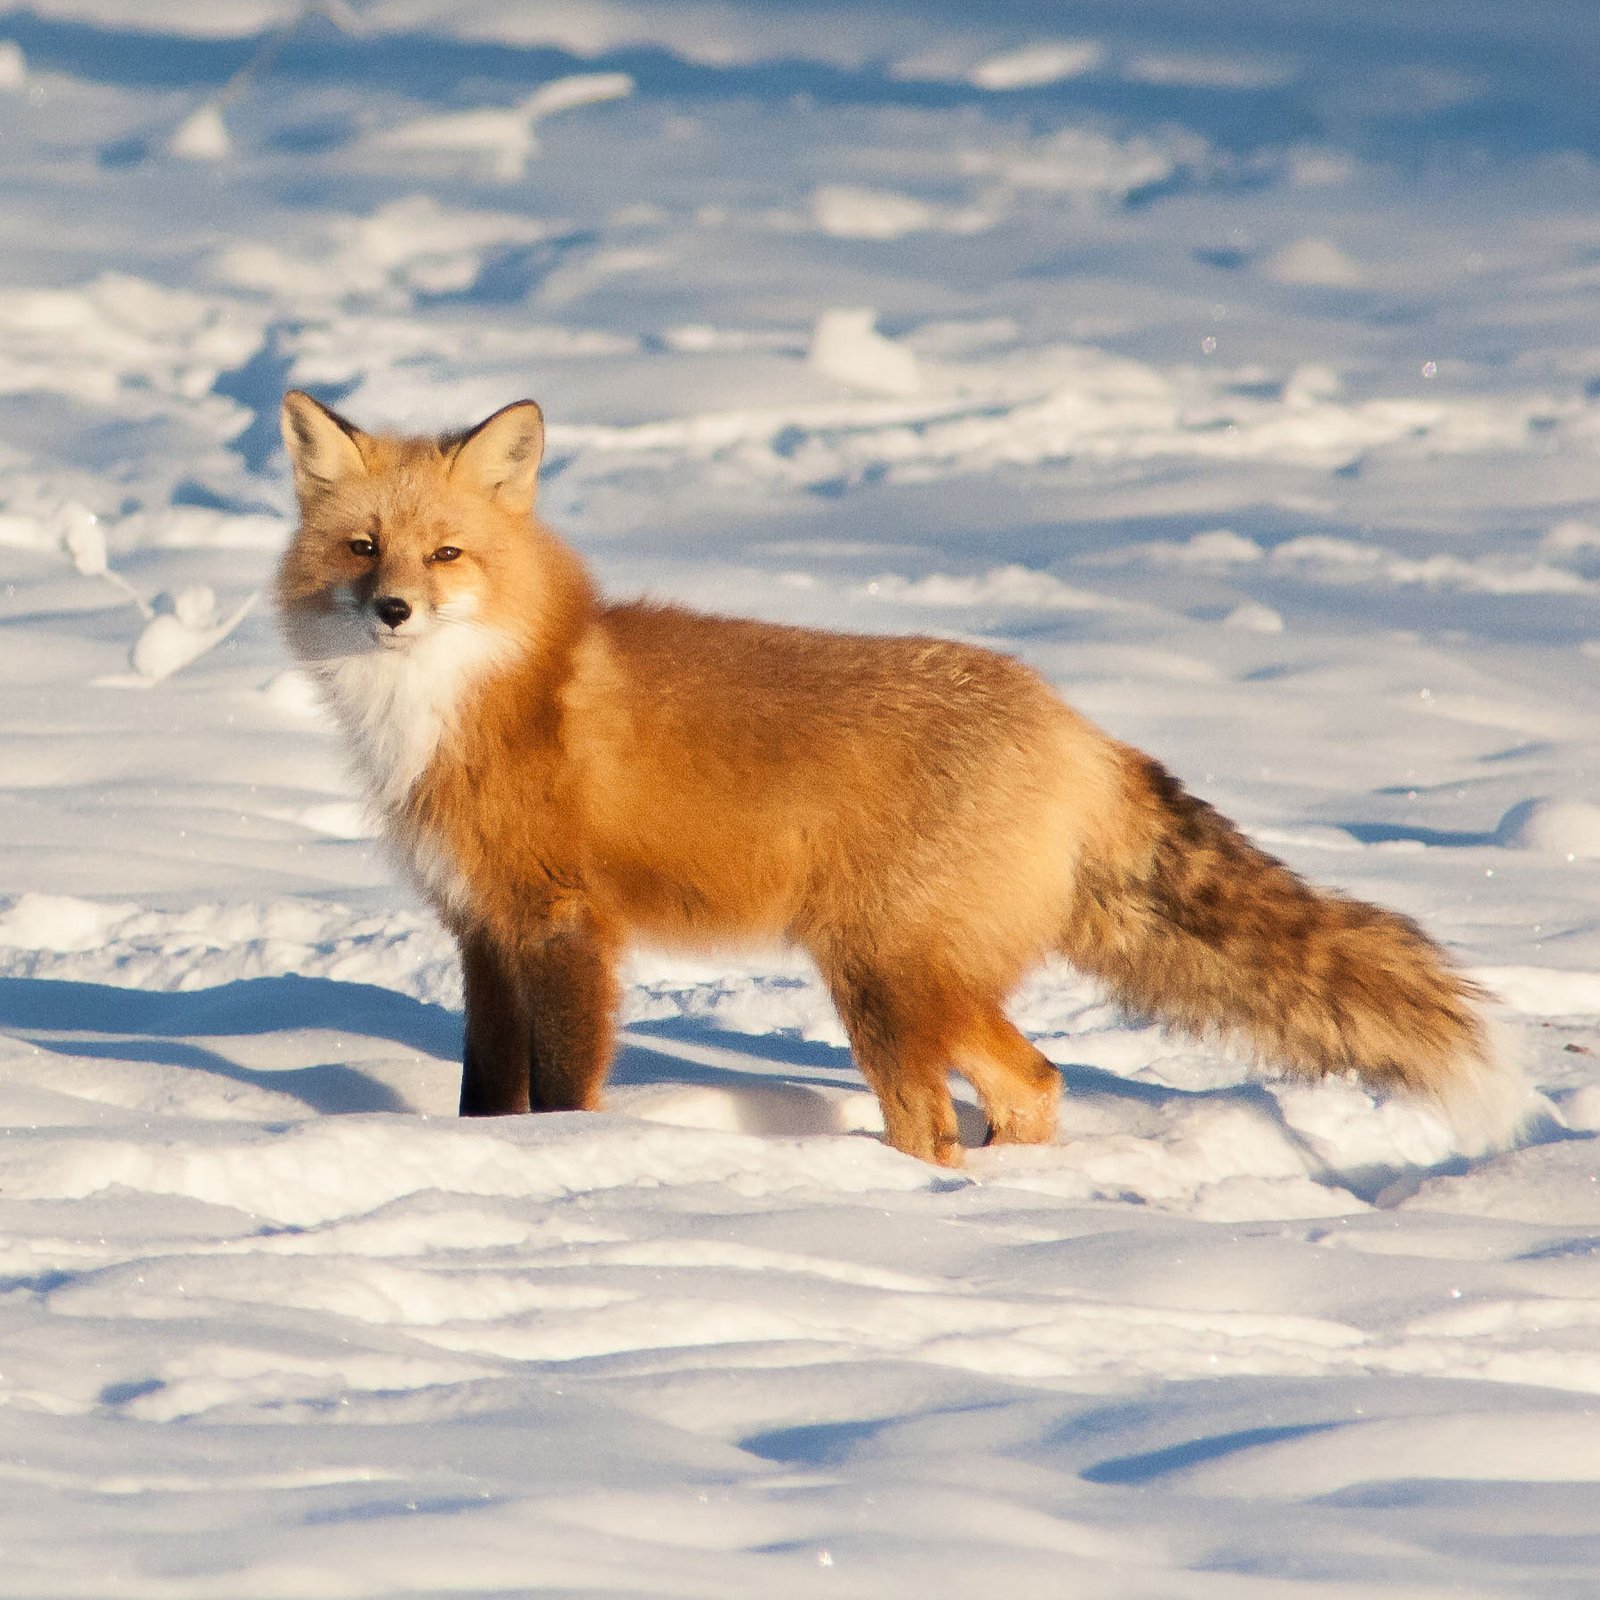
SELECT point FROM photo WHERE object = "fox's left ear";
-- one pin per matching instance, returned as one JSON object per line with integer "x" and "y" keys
{"x": 500, "y": 457}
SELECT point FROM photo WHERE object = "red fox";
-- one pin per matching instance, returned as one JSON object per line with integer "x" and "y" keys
{"x": 928, "y": 820}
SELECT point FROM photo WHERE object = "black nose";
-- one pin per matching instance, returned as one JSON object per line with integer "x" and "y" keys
{"x": 392, "y": 609}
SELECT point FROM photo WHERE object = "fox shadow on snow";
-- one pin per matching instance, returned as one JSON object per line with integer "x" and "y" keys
{"x": 771, "y": 1080}
{"x": 94, "y": 1019}
{"x": 770, "y": 1084}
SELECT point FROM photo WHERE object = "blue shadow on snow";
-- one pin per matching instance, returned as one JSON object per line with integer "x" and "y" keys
{"x": 160, "y": 1027}
{"x": 1152, "y": 1464}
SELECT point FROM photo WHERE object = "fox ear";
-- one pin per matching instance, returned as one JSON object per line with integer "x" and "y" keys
{"x": 500, "y": 457}
{"x": 323, "y": 447}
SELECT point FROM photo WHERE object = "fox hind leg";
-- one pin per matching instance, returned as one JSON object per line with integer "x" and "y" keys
{"x": 1018, "y": 1088}
{"x": 900, "y": 1039}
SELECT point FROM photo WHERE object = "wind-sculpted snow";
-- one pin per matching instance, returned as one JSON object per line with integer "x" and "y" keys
{"x": 1237, "y": 371}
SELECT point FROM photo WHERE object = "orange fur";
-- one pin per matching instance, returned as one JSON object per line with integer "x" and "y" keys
{"x": 928, "y": 820}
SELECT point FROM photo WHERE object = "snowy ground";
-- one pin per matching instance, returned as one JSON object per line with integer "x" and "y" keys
{"x": 1235, "y": 365}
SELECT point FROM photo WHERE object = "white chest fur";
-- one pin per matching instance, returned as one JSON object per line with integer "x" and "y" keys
{"x": 399, "y": 709}
{"x": 394, "y": 713}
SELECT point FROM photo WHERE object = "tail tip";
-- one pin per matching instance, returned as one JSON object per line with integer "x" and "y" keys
{"x": 1487, "y": 1099}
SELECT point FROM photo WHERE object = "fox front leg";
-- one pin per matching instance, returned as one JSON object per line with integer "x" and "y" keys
{"x": 495, "y": 1077}
{"x": 570, "y": 995}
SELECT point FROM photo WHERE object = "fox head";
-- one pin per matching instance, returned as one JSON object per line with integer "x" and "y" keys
{"x": 407, "y": 543}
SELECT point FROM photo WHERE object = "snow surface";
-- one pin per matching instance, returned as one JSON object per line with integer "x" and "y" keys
{"x": 1235, "y": 365}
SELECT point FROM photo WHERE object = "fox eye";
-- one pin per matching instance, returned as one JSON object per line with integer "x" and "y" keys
{"x": 446, "y": 552}
{"x": 363, "y": 547}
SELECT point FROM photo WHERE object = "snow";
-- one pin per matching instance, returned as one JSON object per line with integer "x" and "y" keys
{"x": 1315, "y": 262}
{"x": 184, "y": 627}
{"x": 202, "y": 136}
{"x": 1036, "y": 64}
{"x": 504, "y": 140}
{"x": 1569, "y": 828}
{"x": 1238, "y": 372}
{"x": 847, "y": 348}
{"x": 13, "y": 68}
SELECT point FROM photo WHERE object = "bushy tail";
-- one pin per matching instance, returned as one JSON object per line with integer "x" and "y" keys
{"x": 1188, "y": 922}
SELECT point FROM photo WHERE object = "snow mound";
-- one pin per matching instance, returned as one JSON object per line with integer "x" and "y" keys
{"x": 847, "y": 347}
{"x": 1556, "y": 1448}
{"x": 321, "y": 1170}
{"x": 1540, "y": 1182}
{"x": 1034, "y": 65}
{"x": 410, "y": 246}
{"x": 849, "y": 212}
{"x": 1250, "y": 616}
{"x": 58, "y": 922}
{"x": 1015, "y": 586}
{"x": 13, "y": 67}
{"x": 1214, "y": 547}
{"x": 202, "y": 135}
{"x": 1569, "y": 828}
{"x": 120, "y": 338}
{"x": 503, "y": 140}
{"x": 184, "y": 628}
{"x": 1572, "y": 537}
{"x": 1544, "y": 991}
{"x": 1315, "y": 263}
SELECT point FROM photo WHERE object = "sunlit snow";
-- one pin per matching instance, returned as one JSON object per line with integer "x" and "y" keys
{"x": 1234, "y": 365}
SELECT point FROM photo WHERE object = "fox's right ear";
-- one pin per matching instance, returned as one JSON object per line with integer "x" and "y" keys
{"x": 323, "y": 448}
